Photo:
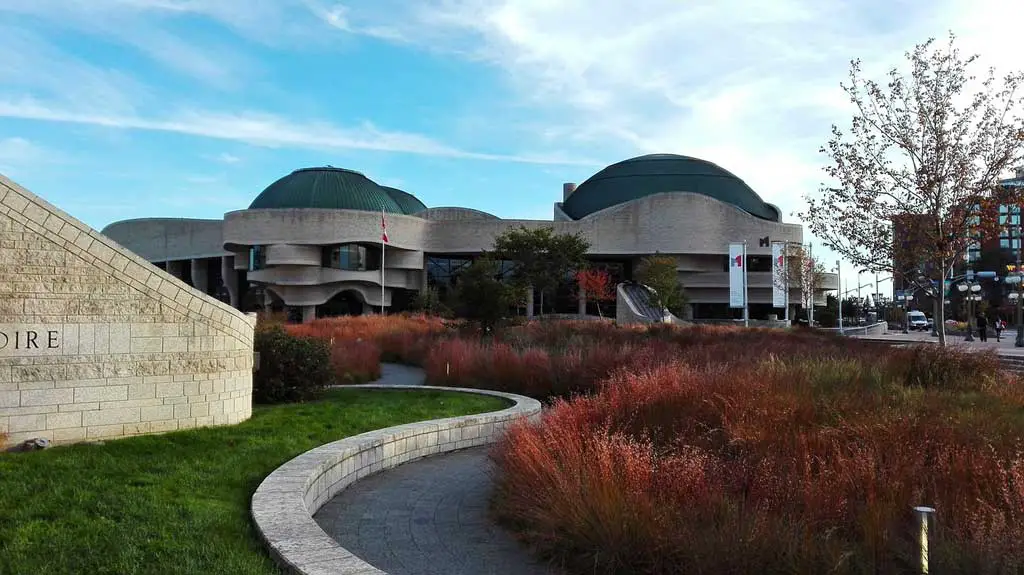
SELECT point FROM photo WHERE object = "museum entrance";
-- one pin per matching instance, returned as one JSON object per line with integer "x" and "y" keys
{"x": 344, "y": 303}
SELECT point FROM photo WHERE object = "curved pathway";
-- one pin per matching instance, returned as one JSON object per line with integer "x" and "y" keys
{"x": 398, "y": 374}
{"x": 427, "y": 517}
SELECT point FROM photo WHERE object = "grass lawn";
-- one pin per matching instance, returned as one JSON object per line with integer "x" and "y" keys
{"x": 179, "y": 503}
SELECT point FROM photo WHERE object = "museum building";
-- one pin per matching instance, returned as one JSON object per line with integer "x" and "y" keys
{"x": 311, "y": 242}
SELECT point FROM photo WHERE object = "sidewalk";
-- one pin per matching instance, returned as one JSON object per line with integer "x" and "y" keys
{"x": 1003, "y": 347}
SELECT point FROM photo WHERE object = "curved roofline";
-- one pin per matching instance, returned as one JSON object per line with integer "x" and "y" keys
{"x": 405, "y": 196}
{"x": 330, "y": 169}
{"x": 665, "y": 157}
{"x": 674, "y": 172}
{"x": 465, "y": 209}
{"x": 623, "y": 205}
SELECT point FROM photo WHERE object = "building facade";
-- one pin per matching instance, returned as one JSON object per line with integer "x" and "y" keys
{"x": 311, "y": 242}
{"x": 997, "y": 253}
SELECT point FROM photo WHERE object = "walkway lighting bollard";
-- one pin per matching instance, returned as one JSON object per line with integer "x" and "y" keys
{"x": 923, "y": 515}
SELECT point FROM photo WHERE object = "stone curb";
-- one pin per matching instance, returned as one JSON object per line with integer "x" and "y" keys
{"x": 284, "y": 504}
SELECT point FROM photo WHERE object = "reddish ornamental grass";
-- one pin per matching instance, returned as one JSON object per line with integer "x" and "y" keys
{"x": 359, "y": 344}
{"x": 724, "y": 450}
{"x": 781, "y": 466}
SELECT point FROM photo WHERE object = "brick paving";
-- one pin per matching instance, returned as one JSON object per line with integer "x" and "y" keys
{"x": 428, "y": 517}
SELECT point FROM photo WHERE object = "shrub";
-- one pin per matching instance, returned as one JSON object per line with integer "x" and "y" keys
{"x": 952, "y": 369}
{"x": 808, "y": 462}
{"x": 355, "y": 361}
{"x": 292, "y": 368}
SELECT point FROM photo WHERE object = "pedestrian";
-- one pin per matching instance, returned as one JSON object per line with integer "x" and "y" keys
{"x": 982, "y": 327}
{"x": 999, "y": 325}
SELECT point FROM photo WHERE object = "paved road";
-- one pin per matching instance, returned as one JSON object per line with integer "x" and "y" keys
{"x": 428, "y": 517}
{"x": 1003, "y": 347}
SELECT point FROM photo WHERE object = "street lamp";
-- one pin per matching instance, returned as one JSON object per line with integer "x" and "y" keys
{"x": 1015, "y": 296}
{"x": 971, "y": 298}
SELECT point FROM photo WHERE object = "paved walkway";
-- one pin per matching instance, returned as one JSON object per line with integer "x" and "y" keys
{"x": 427, "y": 517}
{"x": 398, "y": 374}
{"x": 1003, "y": 347}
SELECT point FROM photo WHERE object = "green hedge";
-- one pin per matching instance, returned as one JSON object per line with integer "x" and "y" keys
{"x": 291, "y": 368}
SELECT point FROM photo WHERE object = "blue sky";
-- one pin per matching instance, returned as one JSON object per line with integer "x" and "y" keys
{"x": 116, "y": 109}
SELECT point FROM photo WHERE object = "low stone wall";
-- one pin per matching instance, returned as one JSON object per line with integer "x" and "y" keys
{"x": 284, "y": 504}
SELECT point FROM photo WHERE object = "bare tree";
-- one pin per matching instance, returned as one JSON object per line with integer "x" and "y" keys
{"x": 803, "y": 271}
{"x": 922, "y": 155}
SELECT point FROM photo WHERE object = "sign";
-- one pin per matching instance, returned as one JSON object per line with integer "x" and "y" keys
{"x": 780, "y": 279}
{"x": 29, "y": 340}
{"x": 736, "y": 276}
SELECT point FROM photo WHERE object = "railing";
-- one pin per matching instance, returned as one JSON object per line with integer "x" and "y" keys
{"x": 879, "y": 328}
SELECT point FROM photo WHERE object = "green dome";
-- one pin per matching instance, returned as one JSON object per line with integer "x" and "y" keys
{"x": 657, "y": 173}
{"x": 326, "y": 188}
{"x": 408, "y": 202}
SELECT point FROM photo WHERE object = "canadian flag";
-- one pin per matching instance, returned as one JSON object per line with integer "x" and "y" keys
{"x": 383, "y": 228}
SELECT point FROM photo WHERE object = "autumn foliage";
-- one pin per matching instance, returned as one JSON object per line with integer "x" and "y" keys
{"x": 597, "y": 285}
{"x": 359, "y": 344}
{"x": 716, "y": 449}
{"x": 807, "y": 461}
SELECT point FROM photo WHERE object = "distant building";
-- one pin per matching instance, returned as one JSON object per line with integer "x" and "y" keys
{"x": 311, "y": 241}
{"x": 981, "y": 254}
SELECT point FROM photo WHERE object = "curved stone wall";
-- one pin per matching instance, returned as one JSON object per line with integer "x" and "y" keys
{"x": 96, "y": 342}
{"x": 284, "y": 504}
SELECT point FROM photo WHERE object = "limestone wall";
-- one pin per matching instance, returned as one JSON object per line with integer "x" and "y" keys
{"x": 95, "y": 342}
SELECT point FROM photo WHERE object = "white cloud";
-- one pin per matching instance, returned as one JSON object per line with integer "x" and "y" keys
{"x": 226, "y": 158}
{"x": 267, "y": 130}
{"x": 17, "y": 153}
{"x": 750, "y": 85}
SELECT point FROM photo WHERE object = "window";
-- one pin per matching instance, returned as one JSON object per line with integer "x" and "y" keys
{"x": 348, "y": 257}
{"x": 442, "y": 271}
{"x": 257, "y": 258}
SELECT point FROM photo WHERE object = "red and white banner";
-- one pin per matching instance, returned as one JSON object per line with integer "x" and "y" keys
{"x": 780, "y": 275}
{"x": 383, "y": 228}
{"x": 737, "y": 278}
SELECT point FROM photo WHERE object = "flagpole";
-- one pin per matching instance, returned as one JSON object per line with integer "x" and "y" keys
{"x": 383, "y": 234}
{"x": 746, "y": 300}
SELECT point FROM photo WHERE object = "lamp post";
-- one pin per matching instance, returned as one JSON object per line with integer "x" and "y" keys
{"x": 1015, "y": 280}
{"x": 973, "y": 296}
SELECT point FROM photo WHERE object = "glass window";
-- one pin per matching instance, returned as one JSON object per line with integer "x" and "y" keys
{"x": 257, "y": 258}
{"x": 348, "y": 257}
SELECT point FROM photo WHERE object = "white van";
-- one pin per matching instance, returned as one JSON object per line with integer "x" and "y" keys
{"x": 917, "y": 320}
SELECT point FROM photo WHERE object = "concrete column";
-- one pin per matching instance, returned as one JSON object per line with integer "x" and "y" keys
{"x": 308, "y": 313}
{"x": 582, "y": 303}
{"x": 200, "y": 275}
{"x": 176, "y": 268}
{"x": 529, "y": 302}
{"x": 227, "y": 271}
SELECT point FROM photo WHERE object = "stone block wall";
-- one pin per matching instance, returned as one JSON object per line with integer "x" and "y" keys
{"x": 95, "y": 342}
{"x": 284, "y": 504}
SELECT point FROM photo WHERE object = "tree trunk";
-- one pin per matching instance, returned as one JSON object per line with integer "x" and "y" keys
{"x": 940, "y": 306}
{"x": 541, "y": 302}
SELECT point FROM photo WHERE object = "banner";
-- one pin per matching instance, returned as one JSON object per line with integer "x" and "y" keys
{"x": 780, "y": 279}
{"x": 736, "y": 276}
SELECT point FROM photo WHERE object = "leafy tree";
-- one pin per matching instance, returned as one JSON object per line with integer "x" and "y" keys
{"x": 429, "y": 302}
{"x": 542, "y": 258}
{"x": 659, "y": 273}
{"x": 923, "y": 156}
{"x": 481, "y": 296}
{"x": 597, "y": 285}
